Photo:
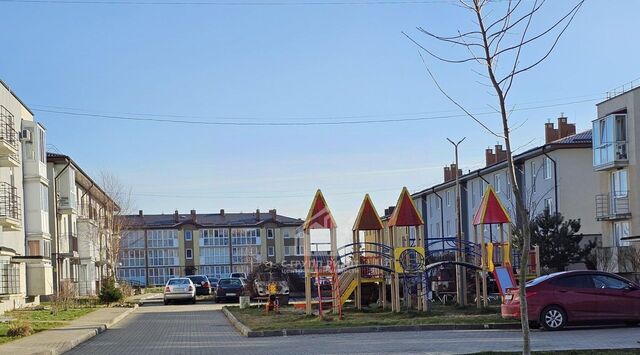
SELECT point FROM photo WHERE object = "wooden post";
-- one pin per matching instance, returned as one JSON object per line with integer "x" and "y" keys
{"x": 477, "y": 272}
{"x": 334, "y": 257}
{"x": 307, "y": 270}
{"x": 358, "y": 255}
{"x": 484, "y": 267}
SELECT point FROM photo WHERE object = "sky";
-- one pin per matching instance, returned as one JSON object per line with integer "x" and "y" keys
{"x": 289, "y": 61}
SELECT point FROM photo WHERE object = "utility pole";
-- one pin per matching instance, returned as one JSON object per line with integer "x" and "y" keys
{"x": 460, "y": 273}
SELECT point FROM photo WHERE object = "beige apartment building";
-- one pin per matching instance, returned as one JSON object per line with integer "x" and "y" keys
{"x": 615, "y": 161}
{"x": 157, "y": 247}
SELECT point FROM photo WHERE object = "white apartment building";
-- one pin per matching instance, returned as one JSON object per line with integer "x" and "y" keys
{"x": 25, "y": 241}
{"x": 80, "y": 220}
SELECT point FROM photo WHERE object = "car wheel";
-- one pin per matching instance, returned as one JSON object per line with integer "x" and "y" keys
{"x": 166, "y": 302}
{"x": 553, "y": 318}
{"x": 216, "y": 300}
{"x": 193, "y": 300}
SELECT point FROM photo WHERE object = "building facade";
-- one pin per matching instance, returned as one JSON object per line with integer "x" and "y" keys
{"x": 25, "y": 241}
{"x": 615, "y": 162}
{"x": 155, "y": 248}
{"x": 80, "y": 219}
{"x": 554, "y": 176}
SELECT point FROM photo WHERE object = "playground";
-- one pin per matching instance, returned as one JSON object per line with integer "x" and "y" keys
{"x": 393, "y": 274}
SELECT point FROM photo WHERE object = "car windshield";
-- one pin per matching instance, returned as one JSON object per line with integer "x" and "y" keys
{"x": 230, "y": 282}
{"x": 178, "y": 282}
{"x": 197, "y": 279}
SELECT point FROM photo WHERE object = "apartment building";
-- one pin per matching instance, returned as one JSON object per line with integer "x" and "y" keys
{"x": 615, "y": 162}
{"x": 156, "y": 247}
{"x": 80, "y": 219}
{"x": 25, "y": 241}
{"x": 554, "y": 176}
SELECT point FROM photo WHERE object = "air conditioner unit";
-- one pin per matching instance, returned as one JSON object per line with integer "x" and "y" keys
{"x": 25, "y": 135}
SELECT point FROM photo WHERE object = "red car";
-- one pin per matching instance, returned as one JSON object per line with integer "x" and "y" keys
{"x": 576, "y": 297}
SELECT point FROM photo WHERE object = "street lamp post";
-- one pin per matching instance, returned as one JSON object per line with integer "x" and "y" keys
{"x": 460, "y": 274}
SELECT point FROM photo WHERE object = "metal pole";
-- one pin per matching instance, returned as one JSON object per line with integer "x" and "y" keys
{"x": 460, "y": 291}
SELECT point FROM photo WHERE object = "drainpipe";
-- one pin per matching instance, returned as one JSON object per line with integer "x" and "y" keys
{"x": 555, "y": 177}
{"x": 56, "y": 227}
{"x": 433, "y": 189}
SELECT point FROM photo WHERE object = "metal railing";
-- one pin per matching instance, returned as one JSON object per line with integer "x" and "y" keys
{"x": 9, "y": 201}
{"x": 612, "y": 206}
{"x": 623, "y": 88}
{"x": 7, "y": 130}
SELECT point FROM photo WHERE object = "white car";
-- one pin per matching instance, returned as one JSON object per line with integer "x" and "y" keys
{"x": 179, "y": 288}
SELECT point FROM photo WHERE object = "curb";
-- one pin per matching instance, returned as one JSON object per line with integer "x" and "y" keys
{"x": 68, "y": 345}
{"x": 247, "y": 332}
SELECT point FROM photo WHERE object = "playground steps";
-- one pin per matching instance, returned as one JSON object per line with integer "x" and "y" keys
{"x": 347, "y": 281}
{"x": 344, "y": 296}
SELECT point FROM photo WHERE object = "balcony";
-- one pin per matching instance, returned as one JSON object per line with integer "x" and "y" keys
{"x": 611, "y": 207}
{"x": 8, "y": 135}
{"x": 610, "y": 155}
{"x": 10, "y": 208}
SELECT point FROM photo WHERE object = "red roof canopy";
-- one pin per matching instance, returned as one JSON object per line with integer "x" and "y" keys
{"x": 491, "y": 210}
{"x": 368, "y": 218}
{"x": 319, "y": 216}
{"x": 405, "y": 214}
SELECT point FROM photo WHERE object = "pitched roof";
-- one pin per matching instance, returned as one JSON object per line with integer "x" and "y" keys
{"x": 405, "y": 213}
{"x": 207, "y": 220}
{"x": 491, "y": 210}
{"x": 319, "y": 216}
{"x": 368, "y": 218}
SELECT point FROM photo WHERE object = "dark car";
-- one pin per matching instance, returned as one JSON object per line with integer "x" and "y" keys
{"x": 214, "y": 283}
{"x": 203, "y": 286}
{"x": 229, "y": 289}
{"x": 586, "y": 297}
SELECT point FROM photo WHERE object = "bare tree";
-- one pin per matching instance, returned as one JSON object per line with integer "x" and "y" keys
{"x": 496, "y": 44}
{"x": 114, "y": 224}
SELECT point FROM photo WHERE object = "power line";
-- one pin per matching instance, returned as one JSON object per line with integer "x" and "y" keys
{"x": 275, "y": 123}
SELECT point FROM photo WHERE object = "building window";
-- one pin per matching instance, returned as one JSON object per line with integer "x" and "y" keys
{"x": 214, "y": 255}
{"x": 271, "y": 251}
{"x": 548, "y": 205}
{"x": 432, "y": 206}
{"x": 448, "y": 229}
{"x": 245, "y": 236}
{"x": 162, "y": 257}
{"x": 448, "y": 197}
{"x": 188, "y": 235}
{"x": 619, "y": 183}
{"x": 437, "y": 234}
{"x": 287, "y": 250}
{"x": 44, "y": 198}
{"x": 497, "y": 182}
{"x": 534, "y": 173}
{"x": 609, "y": 140}
{"x": 285, "y": 234}
{"x": 547, "y": 168}
{"x": 214, "y": 237}
{"x": 189, "y": 253}
{"x": 9, "y": 278}
{"x": 621, "y": 231}
{"x": 162, "y": 238}
{"x": 270, "y": 233}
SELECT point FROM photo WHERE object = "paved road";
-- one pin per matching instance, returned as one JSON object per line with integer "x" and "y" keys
{"x": 203, "y": 329}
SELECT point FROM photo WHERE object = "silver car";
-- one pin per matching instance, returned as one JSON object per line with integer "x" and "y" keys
{"x": 180, "y": 288}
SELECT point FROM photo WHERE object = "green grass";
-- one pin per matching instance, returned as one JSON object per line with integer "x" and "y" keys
{"x": 42, "y": 319}
{"x": 295, "y": 319}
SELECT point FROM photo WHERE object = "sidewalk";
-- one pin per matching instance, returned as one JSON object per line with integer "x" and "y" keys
{"x": 59, "y": 340}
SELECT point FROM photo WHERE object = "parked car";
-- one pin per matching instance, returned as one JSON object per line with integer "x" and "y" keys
{"x": 238, "y": 275}
{"x": 229, "y": 288}
{"x": 586, "y": 297}
{"x": 214, "y": 283}
{"x": 179, "y": 288}
{"x": 203, "y": 286}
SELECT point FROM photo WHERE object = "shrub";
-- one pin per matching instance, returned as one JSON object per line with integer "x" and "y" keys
{"x": 110, "y": 293}
{"x": 19, "y": 328}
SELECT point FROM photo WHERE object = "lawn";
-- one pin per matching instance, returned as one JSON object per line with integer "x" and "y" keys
{"x": 42, "y": 319}
{"x": 295, "y": 319}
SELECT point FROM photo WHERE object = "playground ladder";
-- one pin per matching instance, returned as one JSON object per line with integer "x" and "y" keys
{"x": 348, "y": 284}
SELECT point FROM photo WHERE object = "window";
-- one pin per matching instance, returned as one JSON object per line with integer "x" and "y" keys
{"x": 548, "y": 204}
{"x": 214, "y": 255}
{"x": 534, "y": 173}
{"x": 437, "y": 229}
{"x": 245, "y": 236}
{"x": 44, "y": 198}
{"x": 619, "y": 183}
{"x": 609, "y": 139}
{"x": 287, "y": 250}
{"x": 497, "y": 182}
{"x": 9, "y": 278}
{"x": 448, "y": 229}
{"x": 188, "y": 235}
{"x": 163, "y": 257}
{"x": 132, "y": 258}
{"x": 130, "y": 239}
{"x": 285, "y": 234}
{"x": 546, "y": 168}
{"x": 271, "y": 251}
{"x": 603, "y": 281}
{"x": 448, "y": 197}
{"x": 41, "y": 145}
{"x": 270, "y": 233}
{"x": 214, "y": 237}
{"x": 578, "y": 281}
{"x": 189, "y": 253}
{"x": 162, "y": 238}
{"x": 432, "y": 206}
{"x": 621, "y": 231}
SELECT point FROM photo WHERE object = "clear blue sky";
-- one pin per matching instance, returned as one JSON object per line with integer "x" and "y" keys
{"x": 275, "y": 63}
